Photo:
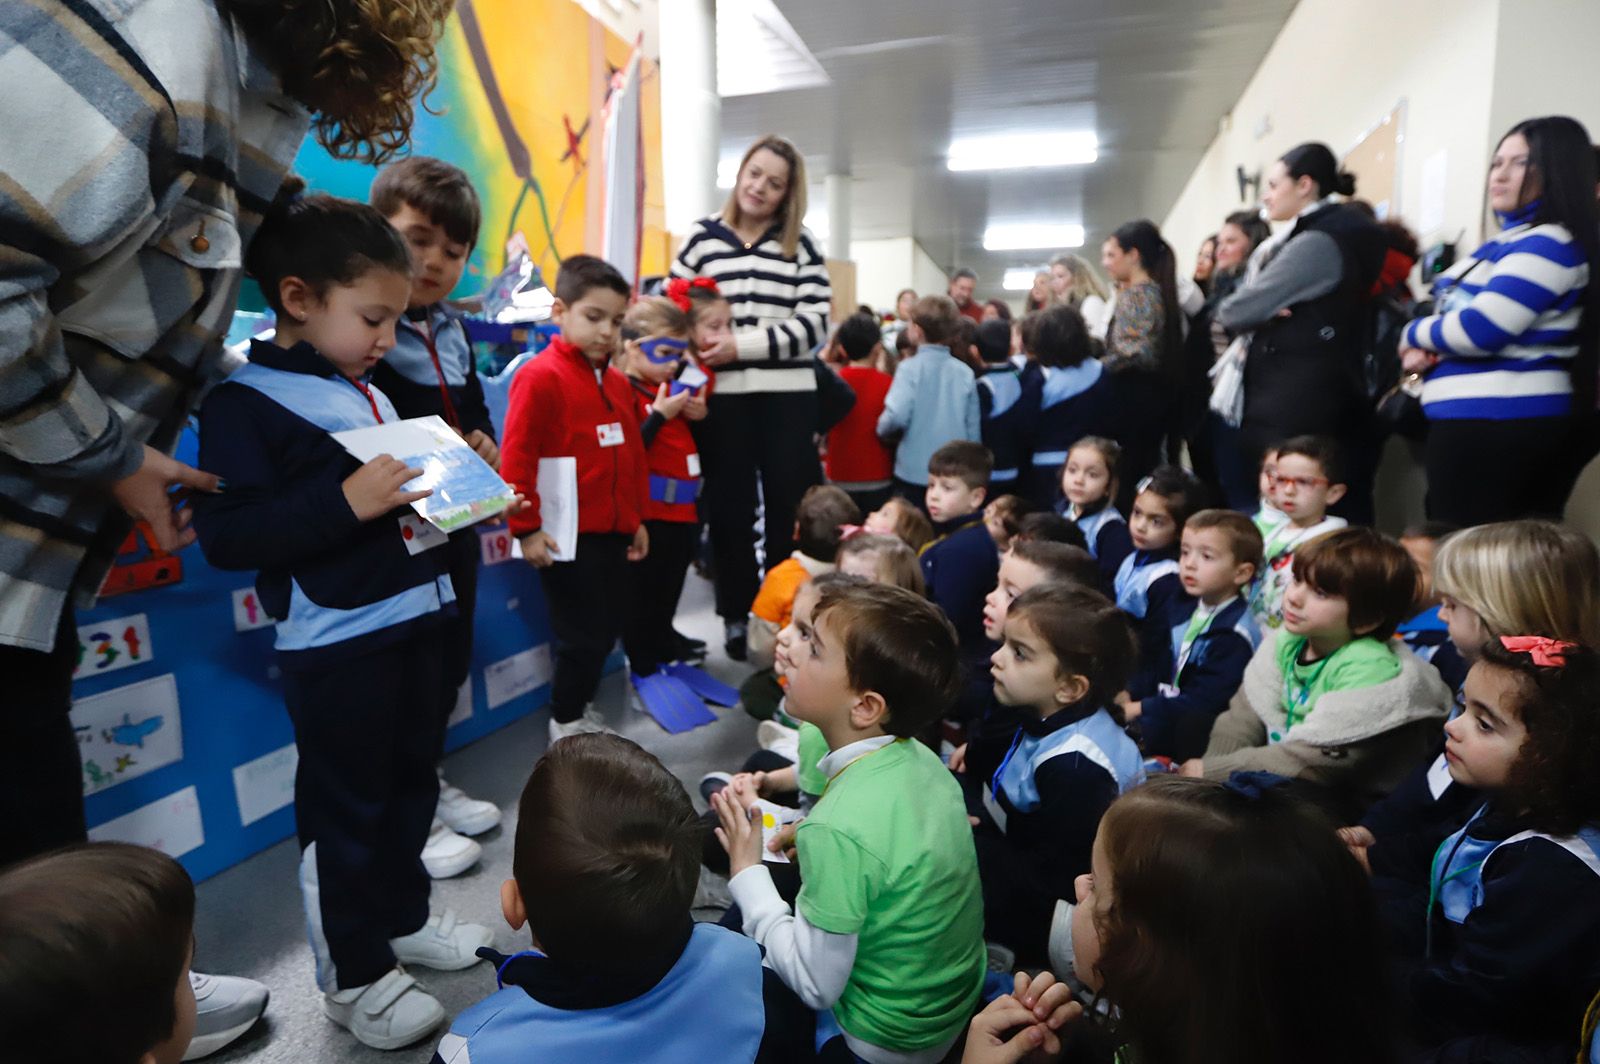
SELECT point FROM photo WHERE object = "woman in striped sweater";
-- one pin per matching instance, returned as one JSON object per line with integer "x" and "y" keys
{"x": 1510, "y": 357}
{"x": 763, "y": 415}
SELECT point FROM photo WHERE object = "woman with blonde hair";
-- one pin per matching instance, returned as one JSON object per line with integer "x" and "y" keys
{"x": 763, "y": 414}
{"x": 1074, "y": 282}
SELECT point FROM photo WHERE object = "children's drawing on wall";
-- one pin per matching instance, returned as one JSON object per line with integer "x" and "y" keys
{"x": 128, "y": 731}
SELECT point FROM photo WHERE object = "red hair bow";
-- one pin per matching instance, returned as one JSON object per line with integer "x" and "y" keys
{"x": 1546, "y": 653}
{"x": 678, "y": 289}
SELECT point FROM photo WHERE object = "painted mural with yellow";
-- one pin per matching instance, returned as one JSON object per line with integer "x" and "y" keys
{"x": 520, "y": 102}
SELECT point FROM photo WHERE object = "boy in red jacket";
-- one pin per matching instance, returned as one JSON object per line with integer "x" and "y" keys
{"x": 568, "y": 402}
{"x": 858, "y": 461}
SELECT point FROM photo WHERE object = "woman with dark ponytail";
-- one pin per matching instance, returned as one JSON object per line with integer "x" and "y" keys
{"x": 1303, "y": 372}
{"x": 1144, "y": 349}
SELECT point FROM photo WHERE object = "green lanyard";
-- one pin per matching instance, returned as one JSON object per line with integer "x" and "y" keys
{"x": 1436, "y": 882}
{"x": 1198, "y": 625}
{"x": 1294, "y": 701}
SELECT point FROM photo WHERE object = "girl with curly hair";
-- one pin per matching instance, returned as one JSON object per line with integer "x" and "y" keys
{"x": 1501, "y": 933}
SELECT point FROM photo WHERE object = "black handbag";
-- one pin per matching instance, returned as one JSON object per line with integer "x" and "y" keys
{"x": 1399, "y": 410}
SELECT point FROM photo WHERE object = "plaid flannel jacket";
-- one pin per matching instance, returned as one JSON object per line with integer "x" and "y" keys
{"x": 141, "y": 141}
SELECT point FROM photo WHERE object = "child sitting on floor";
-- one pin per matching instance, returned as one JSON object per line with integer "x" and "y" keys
{"x": 1426, "y": 632}
{"x": 1088, "y": 494}
{"x": 1306, "y": 482}
{"x": 885, "y": 939}
{"x": 1333, "y": 699}
{"x": 95, "y": 947}
{"x": 1501, "y": 934}
{"x": 960, "y": 565}
{"x": 1211, "y": 637}
{"x": 881, "y": 560}
{"x": 1067, "y": 651}
{"x": 901, "y": 518}
{"x": 819, "y": 526}
{"x": 1003, "y": 518}
{"x": 1147, "y": 584}
{"x": 1268, "y": 518}
{"x": 604, "y": 872}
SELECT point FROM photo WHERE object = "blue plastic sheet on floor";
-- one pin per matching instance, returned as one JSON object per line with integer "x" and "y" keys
{"x": 671, "y": 703}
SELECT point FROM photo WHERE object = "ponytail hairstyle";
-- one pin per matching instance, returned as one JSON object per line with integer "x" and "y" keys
{"x": 1161, "y": 263}
{"x": 322, "y": 240}
{"x": 1316, "y": 160}
{"x": 357, "y": 64}
{"x": 1560, "y": 154}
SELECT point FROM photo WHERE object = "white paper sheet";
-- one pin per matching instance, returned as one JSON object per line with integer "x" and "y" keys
{"x": 558, "y": 504}
{"x": 128, "y": 731}
{"x": 171, "y": 825}
{"x": 465, "y": 489}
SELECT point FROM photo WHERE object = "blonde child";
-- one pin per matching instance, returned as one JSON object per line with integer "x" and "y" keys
{"x": 881, "y": 560}
{"x": 1333, "y": 699}
{"x": 900, "y": 517}
{"x": 1088, "y": 493}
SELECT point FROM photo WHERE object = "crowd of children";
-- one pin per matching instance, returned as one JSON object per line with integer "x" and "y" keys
{"x": 1057, "y": 777}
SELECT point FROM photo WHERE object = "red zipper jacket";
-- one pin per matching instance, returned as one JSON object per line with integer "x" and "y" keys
{"x": 559, "y": 408}
{"x": 670, "y": 455}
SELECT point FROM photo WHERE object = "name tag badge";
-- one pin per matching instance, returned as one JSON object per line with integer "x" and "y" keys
{"x": 1439, "y": 776}
{"x": 420, "y": 535}
{"x": 610, "y": 435}
{"x": 694, "y": 465}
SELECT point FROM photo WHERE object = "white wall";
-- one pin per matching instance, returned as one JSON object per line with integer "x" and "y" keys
{"x": 883, "y": 267}
{"x": 1337, "y": 68}
{"x": 929, "y": 278}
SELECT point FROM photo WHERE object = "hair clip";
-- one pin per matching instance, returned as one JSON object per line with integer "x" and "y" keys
{"x": 679, "y": 287}
{"x": 1253, "y": 785}
{"x": 1546, "y": 653}
{"x": 1143, "y": 485}
{"x": 850, "y": 531}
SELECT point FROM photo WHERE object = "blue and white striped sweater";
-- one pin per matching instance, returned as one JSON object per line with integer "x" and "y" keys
{"x": 1508, "y": 326}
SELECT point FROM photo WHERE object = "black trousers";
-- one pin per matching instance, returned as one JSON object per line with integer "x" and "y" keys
{"x": 648, "y": 637}
{"x": 1481, "y": 471}
{"x": 770, "y": 438}
{"x": 588, "y": 600}
{"x": 465, "y": 557}
{"x": 369, "y": 731}
{"x": 1144, "y": 412}
{"x": 41, "y": 790}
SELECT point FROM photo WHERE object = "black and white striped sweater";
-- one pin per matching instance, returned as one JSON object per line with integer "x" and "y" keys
{"x": 780, "y": 304}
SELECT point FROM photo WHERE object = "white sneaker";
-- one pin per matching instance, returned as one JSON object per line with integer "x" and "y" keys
{"x": 589, "y": 722}
{"x": 447, "y": 854}
{"x": 442, "y": 943}
{"x": 464, "y": 815}
{"x": 226, "y": 1006}
{"x": 393, "y": 1012}
{"x": 780, "y": 739}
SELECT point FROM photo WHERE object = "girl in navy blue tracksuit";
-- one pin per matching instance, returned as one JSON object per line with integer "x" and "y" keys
{"x": 1147, "y": 585}
{"x": 1500, "y": 933}
{"x": 1088, "y": 498}
{"x": 359, "y": 587}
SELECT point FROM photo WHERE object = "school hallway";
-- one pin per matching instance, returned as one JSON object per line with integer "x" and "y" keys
{"x": 249, "y": 921}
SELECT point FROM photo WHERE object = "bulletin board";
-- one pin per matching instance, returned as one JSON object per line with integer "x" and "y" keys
{"x": 1375, "y": 162}
{"x": 178, "y": 704}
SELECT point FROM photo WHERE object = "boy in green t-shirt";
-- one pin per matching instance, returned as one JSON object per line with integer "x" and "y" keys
{"x": 886, "y": 940}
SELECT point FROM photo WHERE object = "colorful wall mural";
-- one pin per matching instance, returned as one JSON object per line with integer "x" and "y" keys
{"x": 519, "y": 106}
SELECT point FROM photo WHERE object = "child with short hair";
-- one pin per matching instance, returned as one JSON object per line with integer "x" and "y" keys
{"x": 857, "y": 459}
{"x": 933, "y": 399}
{"x": 1510, "y": 958}
{"x": 1075, "y": 398}
{"x": 1211, "y": 637}
{"x": 1333, "y": 700}
{"x": 430, "y": 371}
{"x": 902, "y": 519}
{"x": 1067, "y": 652}
{"x": 1147, "y": 584}
{"x": 570, "y": 402}
{"x": 885, "y": 940}
{"x": 1268, "y": 518}
{"x": 655, "y": 353}
{"x": 360, "y": 599}
{"x": 1046, "y": 526}
{"x": 1425, "y": 632}
{"x": 819, "y": 528}
{"x": 882, "y": 560}
{"x": 1529, "y": 577}
{"x": 1002, "y": 517}
{"x": 960, "y": 565}
{"x": 1007, "y": 406}
{"x": 1307, "y": 479}
{"x": 1088, "y": 484}
{"x": 604, "y": 872}
{"x": 95, "y": 946}
{"x": 1195, "y": 926}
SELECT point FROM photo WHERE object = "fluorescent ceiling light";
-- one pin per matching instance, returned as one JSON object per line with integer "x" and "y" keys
{"x": 1024, "y": 236}
{"x": 758, "y": 51}
{"x": 1012, "y": 151}
{"x": 1020, "y": 279}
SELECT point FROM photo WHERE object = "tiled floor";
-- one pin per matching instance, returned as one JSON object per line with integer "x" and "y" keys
{"x": 250, "y": 921}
